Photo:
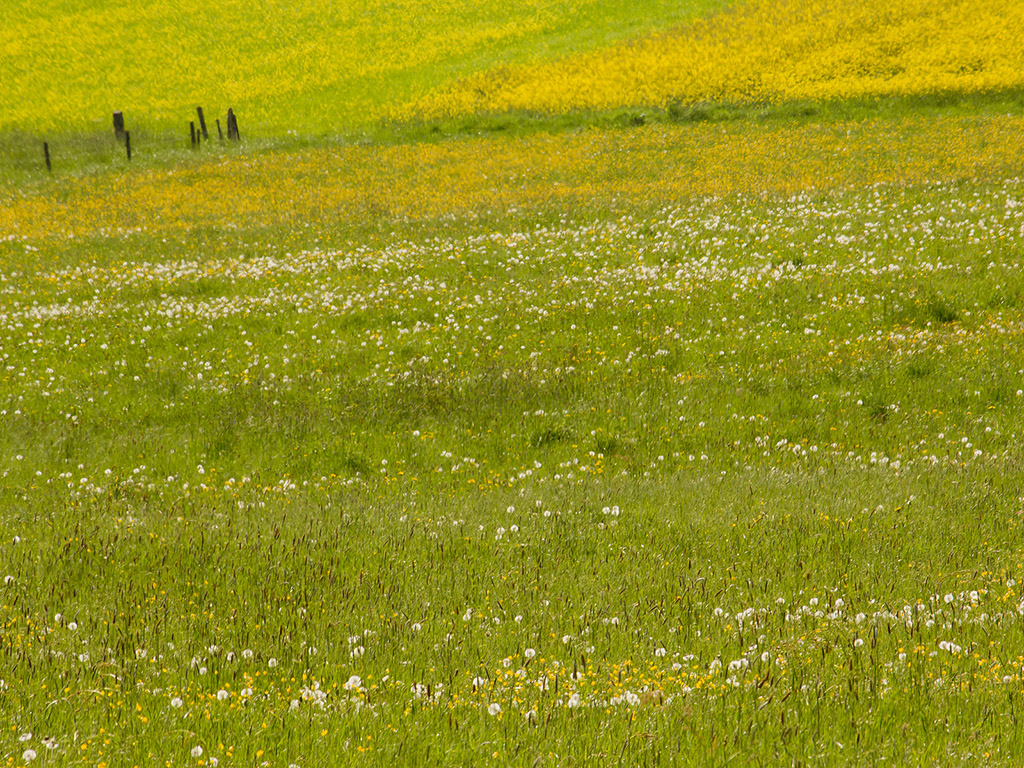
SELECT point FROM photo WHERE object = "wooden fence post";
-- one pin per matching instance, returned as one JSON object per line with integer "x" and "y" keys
{"x": 220, "y": 133}
{"x": 118, "y": 125}
{"x": 46, "y": 154}
{"x": 233, "y": 126}
{"x": 202, "y": 122}
{"x": 128, "y": 144}
{"x": 192, "y": 133}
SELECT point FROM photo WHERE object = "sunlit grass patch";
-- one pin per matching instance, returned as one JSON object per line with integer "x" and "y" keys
{"x": 310, "y": 66}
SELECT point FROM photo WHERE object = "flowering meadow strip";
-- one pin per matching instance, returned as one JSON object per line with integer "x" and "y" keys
{"x": 482, "y": 176}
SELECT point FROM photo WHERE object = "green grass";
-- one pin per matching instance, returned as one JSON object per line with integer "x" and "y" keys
{"x": 310, "y": 66}
{"x": 774, "y": 432}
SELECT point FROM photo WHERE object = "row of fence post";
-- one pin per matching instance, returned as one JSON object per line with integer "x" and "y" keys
{"x": 124, "y": 136}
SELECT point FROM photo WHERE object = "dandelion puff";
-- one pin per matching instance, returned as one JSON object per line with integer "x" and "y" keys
{"x": 197, "y": 751}
{"x": 247, "y": 653}
{"x": 494, "y": 709}
{"x": 574, "y": 701}
{"x": 529, "y": 653}
{"x": 353, "y": 683}
{"x": 28, "y": 755}
{"x": 660, "y": 653}
{"x": 222, "y": 695}
{"x": 176, "y": 702}
{"x": 25, "y": 737}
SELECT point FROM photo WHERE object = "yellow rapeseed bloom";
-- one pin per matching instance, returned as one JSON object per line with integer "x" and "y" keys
{"x": 770, "y": 50}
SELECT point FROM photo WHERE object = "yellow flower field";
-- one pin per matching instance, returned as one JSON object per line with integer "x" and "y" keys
{"x": 770, "y": 50}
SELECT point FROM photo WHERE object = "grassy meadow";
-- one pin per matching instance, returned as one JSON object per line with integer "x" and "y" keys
{"x": 678, "y": 437}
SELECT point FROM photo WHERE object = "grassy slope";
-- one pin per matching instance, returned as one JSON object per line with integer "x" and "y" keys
{"x": 313, "y": 66}
{"x": 355, "y": 409}
{"x": 556, "y": 324}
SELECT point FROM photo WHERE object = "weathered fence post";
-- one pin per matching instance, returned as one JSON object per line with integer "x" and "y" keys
{"x": 118, "y": 125}
{"x": 233, "y": 126}
{"x": 46, "y": 154}
{"x": 128, "y": 144}
{"x": 192, "y": 133}
{"x": 220, "y": 133}
{"x": 202, "y": 122}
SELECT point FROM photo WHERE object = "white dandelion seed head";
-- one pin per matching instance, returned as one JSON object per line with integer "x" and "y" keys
{"x": 176, "y": 702}
{"x": 494, "y": 709}
{"x": 197, "y": 751}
